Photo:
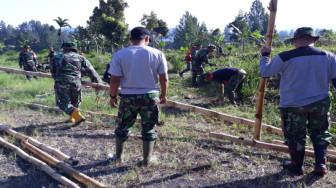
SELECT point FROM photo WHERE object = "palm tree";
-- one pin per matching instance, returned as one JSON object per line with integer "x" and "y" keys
{"x": 61, "y": 23}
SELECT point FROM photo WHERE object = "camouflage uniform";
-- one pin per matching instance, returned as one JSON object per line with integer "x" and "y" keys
{"x": 51, "y": 55}
{"x": 28, "y": 60}
{"x": 197, "y": 68}
{"x": 147, "y": 105}
{"x": 66, "y": 69}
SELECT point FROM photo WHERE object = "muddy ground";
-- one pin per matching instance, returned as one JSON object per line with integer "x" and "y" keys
{"x": 187, "y": 156}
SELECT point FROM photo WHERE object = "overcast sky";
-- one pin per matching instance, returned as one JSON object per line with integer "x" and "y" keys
{"x": 291, "y": 14}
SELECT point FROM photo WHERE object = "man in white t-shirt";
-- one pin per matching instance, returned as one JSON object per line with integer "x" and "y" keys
{"x": 137, "y": 70}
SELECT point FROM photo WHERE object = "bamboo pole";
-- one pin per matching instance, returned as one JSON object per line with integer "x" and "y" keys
{"x": 223, "y": 116}
{"x": 280, "y": 143}
{"x": 79, "y": 176}
{"x": 62, "y": 156}
{"x": 262, "y": 83}
{"x": 263, "y": 145}
{"x": 40, "y": 164}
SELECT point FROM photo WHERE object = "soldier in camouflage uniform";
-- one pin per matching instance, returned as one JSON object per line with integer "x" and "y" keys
{"x": 197, "y": 64}
{"x": 306, "y": 73}
{"x": 51, "y": 54}
{"x": 232, "y": 78}
{"x": 28, "y": 60}
{"x": 136, "y": 69}
{"x": 66, "y": 69}
{"x": 190, "y": 56}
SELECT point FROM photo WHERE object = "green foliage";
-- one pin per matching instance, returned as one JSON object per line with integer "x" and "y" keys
{"x": 176, "y": 60}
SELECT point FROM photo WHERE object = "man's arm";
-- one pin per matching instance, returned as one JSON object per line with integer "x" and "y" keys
{"x": 114, "y": 86}
{"x": 164, "y": 87}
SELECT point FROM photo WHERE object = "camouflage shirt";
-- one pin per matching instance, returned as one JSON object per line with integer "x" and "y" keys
{"x": 201, "y": 56}
{"x": 69, "y": 66}
{"x": 28, "y": 59}
{"x": 51, "y": 54}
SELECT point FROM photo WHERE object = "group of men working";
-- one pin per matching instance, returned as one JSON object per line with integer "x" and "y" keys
{"x": 233, "y": 78}
{"x": 306, "y": 73}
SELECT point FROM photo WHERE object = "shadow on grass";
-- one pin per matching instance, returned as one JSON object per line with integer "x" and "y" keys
{"x": 272, "y": 180}
{"x": 174, "y": 176}
{"x": 29, "y": 130}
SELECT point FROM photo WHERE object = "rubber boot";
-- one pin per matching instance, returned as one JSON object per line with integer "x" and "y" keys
{"x": 147, "y": 152}
{"x": 296, "y": 164}
{"x": 72, "y": 119}
{"x": 320, "y": 159}
{"x": 79, "y": 118}
{"x": 120, "y": 145}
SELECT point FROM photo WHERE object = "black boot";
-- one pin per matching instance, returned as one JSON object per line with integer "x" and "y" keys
{"x": 119, "y": 155}
{"x": 320, "y": 159}
{"x": 296, "y": 164}
{"x": 148, "y": 157}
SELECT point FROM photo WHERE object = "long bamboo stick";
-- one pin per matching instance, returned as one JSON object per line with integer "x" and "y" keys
{"x": 223, "y": 116}
{"x": 262, "y": 84}
{"x": 62, "y": 156}
{"x": 40, "y": 164}
{"x": 192, "y": 108}
{"x": 263, "y": 145}
{"x": 79, "y": 176}
{"x": 280, "y": 143}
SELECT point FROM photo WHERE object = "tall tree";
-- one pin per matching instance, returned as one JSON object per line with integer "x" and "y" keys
{"x": 156, "y": 26}
{"x": 108, "y": 21}
{"x": 61, "y": 23}
{"x": 239, "y": 24}
{"x": 189, "y": 32}
{"x": 257, "y": 18}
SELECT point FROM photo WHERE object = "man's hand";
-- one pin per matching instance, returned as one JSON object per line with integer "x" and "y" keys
{"x": 163, "y": 99}
{"x": 265, "y": 50}
{"x": 113, "y": 102}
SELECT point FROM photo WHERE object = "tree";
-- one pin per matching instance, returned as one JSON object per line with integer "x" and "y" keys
{"x": 157, "y": 26}
{"x": 108, "y": 22}
{"x": 257, "y": 18}
{"x": 61, "y": 23}
{"x": 189, "y": 32}
{"x": 238, "y": 25}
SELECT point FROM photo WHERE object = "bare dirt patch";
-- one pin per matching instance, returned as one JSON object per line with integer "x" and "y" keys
{"x": 188, "y": 157}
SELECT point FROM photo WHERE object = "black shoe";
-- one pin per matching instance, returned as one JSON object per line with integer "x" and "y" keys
{"x": 181, "y": 74}
{"x": 292, "y": 168}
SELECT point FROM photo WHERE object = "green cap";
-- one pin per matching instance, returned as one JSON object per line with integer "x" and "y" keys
{"x": 70, "y": 46}
{"x": 305, "y": 31}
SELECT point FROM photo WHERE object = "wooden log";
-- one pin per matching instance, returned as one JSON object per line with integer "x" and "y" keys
{"x": 79, "y": 176}
{"x": 40, "y": 164}
{"x": 263, "y": 145}
{"x": 279, "y": 142}
{"x": 60, "y": 155}
{"x": 223, "y": 116}
{"x": 327, "y": 41}
{"x": 262, "y": 83}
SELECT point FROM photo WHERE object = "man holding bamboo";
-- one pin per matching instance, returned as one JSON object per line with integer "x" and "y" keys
{"x": 138, "y": 69}
{"x": 306, "y": 73}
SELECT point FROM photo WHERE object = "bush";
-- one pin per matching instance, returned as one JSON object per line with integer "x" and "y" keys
{"x": 175, "y": 60}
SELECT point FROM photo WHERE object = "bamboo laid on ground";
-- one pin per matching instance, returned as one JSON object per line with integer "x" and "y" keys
{"x": 62, "y": 156}
{"x": 279, "y": 142}
{"x": 40, "y": 164}
{"x": 79, "y": 176}
{"x": 263, "y": 145}
{"x": 223, "y": 116}
{"x": 262, "y": 83}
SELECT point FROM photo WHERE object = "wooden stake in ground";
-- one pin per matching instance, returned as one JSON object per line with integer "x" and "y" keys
{"x": 41, "y": 165}
{"x": 262, "y": 84}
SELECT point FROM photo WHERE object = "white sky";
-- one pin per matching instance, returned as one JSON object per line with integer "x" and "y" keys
{"x": 291, "y": 14}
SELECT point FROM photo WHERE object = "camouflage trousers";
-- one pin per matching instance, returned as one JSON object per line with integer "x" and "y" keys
{"x": 197, "y": 71}
{"x": 69, "y": 96}
{"x": 30, "y": 68}
{"x": 147, "y": 105}
{"x": 315, "y": 117}
{"x": 234, "y": 87}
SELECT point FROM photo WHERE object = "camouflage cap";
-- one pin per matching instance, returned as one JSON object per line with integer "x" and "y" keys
{"x": 26, "y": 46}
{"x": 211, "y": 47}
{"x": 70, "y": 46}
{"x": 305, "y": 31}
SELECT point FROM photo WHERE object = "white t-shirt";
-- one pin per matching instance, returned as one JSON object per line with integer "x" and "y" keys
{"x": 139, "y": 67}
